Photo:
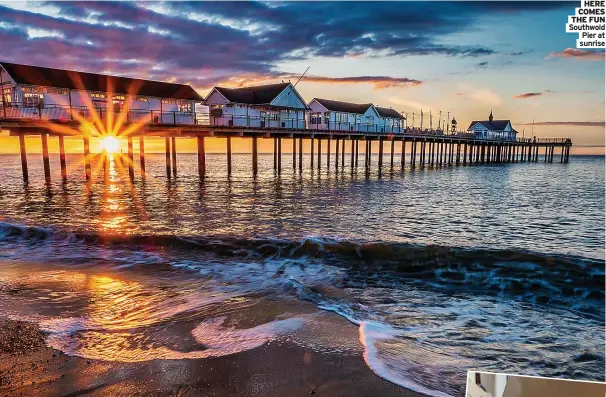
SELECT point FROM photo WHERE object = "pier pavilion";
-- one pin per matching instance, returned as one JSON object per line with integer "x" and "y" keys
{"x": 493, "y": 129}
{"x": 272, "y": 105}
{"x": 328, "y": 114}
{"x": 54, "y": 94}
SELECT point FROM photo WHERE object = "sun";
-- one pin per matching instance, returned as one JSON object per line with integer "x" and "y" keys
{"x": 110, "y": 144}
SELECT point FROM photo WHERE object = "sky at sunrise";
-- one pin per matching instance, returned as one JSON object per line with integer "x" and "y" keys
{"x": 466, "y": 58}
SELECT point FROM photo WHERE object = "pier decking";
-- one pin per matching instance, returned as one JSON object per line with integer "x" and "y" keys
{"x": 426, "y": 147}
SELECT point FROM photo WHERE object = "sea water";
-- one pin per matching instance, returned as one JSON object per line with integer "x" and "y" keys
{"x": 491, "y": 267}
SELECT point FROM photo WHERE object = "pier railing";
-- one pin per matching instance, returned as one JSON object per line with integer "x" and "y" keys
{"x": 62, "y": 114}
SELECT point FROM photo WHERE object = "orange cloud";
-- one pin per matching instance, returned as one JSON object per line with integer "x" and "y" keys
{"x": 586, "y": 55}
{"x": 568, "y": 123}
{"x": 379, "y": 82}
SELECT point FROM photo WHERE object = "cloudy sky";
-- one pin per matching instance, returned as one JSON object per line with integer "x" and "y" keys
{"x": 466, "y": 58}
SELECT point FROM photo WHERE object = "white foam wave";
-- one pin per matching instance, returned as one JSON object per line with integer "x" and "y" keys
{"x": 217, "y": 340}
{"x": 371, "y": 333}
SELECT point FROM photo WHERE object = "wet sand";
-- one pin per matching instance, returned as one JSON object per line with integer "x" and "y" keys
{"x": 29, "y": 368}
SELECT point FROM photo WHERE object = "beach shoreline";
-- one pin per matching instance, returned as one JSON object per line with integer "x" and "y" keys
{"x": 28, "y": 367}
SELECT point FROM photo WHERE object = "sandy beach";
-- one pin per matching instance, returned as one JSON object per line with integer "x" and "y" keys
{"x": 29, "y": 368}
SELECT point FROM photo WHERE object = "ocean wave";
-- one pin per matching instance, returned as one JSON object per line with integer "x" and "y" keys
{"x": 420, "y": 310}
{"x": 534, "y": 277}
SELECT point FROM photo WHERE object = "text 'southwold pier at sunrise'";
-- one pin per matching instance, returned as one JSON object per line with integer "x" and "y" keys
{"x": 59, "y": 103}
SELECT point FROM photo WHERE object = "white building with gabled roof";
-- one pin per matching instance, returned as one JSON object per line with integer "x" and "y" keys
{"x": 56, "y": 94}
{"x": 493, "y": 129}
{"x": 271, "y": 105}
{"x": 328, "y": 114}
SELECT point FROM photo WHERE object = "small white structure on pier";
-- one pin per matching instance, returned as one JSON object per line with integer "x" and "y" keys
{"x": 493, "y": 129}
{"x": 55, "y": 94}
{"x": 272, "y": 105}
{"x": 328, "y": 114}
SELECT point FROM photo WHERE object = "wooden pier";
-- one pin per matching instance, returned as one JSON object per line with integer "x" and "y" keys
{"x": 424, "y": 149}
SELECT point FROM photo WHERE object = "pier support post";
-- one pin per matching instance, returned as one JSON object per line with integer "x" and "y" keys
{"x": 545, "y": 156}
{"x": 422, "y": 153}
{"x": 167, "y": 155}
{"x": 174, "y": 154}
{"x": 202, "y": 157}
{"x": 343, "y": 153}
{"x": 438, "y": 153}
{"x": 413, "y": 154}
{"x": 328, "y": 154}
{"x": 301, "y": 154}
{"x": 357, "y": 151}
{"x": 451, "y": 149}
{"x": 275, "y": 153}
{"x": 403, "y": 156}
{"x": 368, "y": 154}
{"x": 45, "y": 159}
{"x": 424, "y": 150}
{"x": 448, "y": 150}
{"x": 562, "y": 155}
{"x": 380, "y": 154}
{"x": 319, "y": 154}
{"x": 458, "y": 158}
{"x": 393, "y": 144}
{"x": 351, "y": 155}
{"x": 105, "y": 167}
{"x": 142, "y": 154}
{"x": 62, "y": 158}
{"x": 86, "y": 140}
{"x": 279, "y": 155}
{"x": 337, "y": 154}
{"x": 311, "y": 150}
{"x": 23, "y": 158}
{"x": 131, "y": 159}
{"x": 228, "y": 144}
{"x": 294, "y": 153}
{"x": 255, "y": 156}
